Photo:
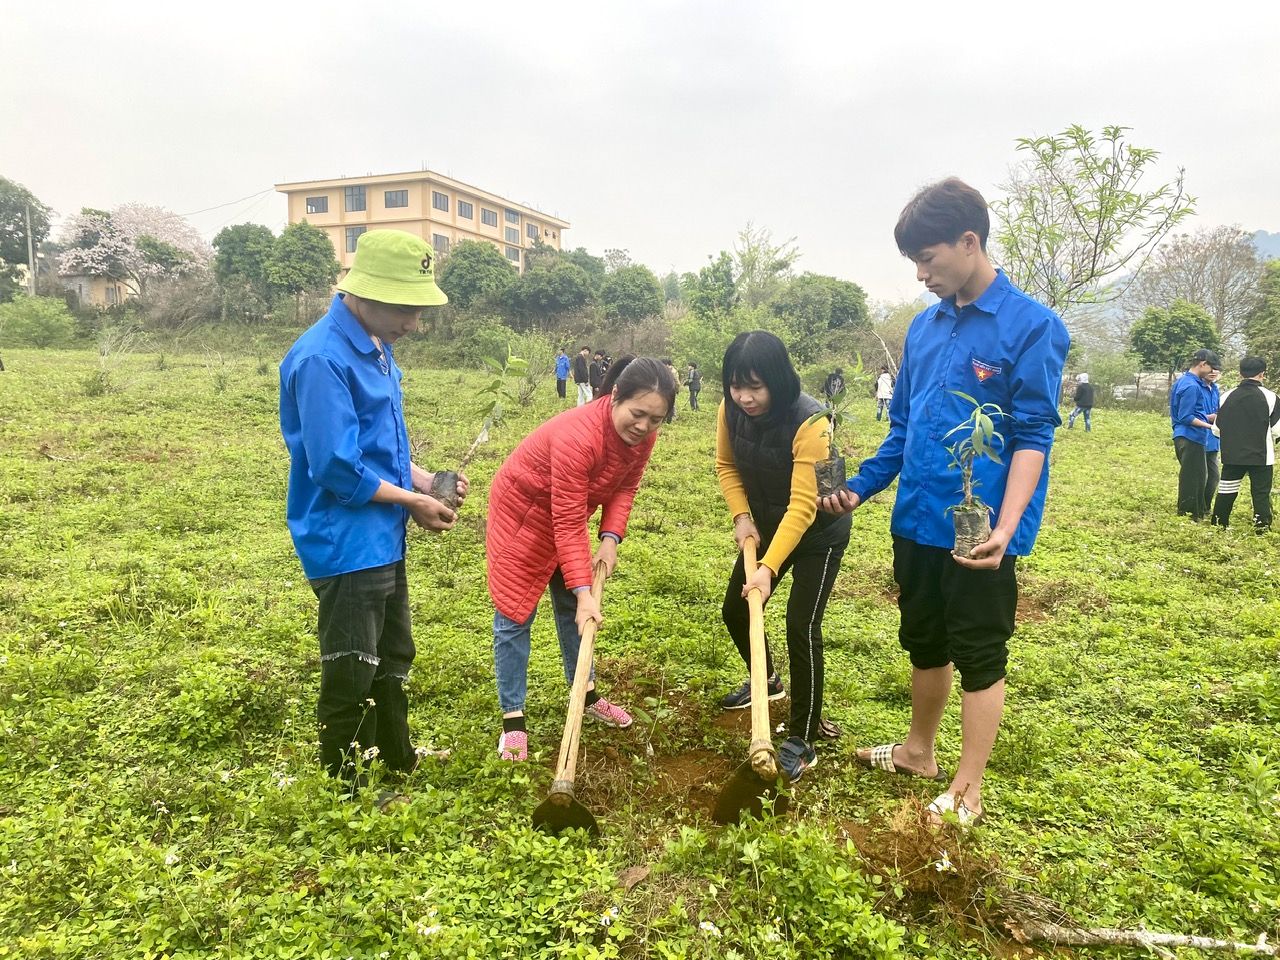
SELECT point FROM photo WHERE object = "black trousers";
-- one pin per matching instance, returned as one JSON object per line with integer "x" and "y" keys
{"x": 951, "y": 614}
{"x": 366, "y": 649}
{"x": 815, "y": 575}
{"x": 693, "y": 399}
{"x": 1260, "y": 478}
{"x": 560, "y": 385}
{"x": 1193, "y": 477}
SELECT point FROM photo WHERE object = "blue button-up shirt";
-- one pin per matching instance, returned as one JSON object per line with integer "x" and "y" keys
{"x": 1193, "y": 398}
{"x": 1004, "y": 348}
{"x": 342, "y": 417}
{"x": 562, "y": 366}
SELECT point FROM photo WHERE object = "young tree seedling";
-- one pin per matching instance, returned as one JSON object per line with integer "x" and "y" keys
{"x": 971, "y": 516}
{"x": 445, "y": 485}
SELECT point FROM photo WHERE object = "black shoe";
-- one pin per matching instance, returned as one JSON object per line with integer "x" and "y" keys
{"x": 796, "y": 757}
{"x": 741, "y": 697}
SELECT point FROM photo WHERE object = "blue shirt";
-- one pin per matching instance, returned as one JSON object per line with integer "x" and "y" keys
{"x": 562, "y": 367}
{"x": 1193, "y": 399}
{"x": 1004, "y": 348}
{"x": 342, "y": 418}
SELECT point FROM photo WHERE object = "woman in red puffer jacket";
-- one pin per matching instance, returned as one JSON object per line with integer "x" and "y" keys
{"x": 542, "y": 497}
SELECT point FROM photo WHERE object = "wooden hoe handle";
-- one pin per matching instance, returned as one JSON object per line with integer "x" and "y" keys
{"x": 567, "y": 766}
{"x": 761, "y": 753}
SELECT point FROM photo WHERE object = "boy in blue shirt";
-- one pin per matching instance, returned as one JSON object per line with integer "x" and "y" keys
{"x": 352, "y": 490}
{"x": 988, "y": 339}
{"x": 1192, "y": 409}
{"x": 562, "y": 372}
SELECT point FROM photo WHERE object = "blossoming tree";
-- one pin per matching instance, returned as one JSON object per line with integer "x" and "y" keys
{"x": 134, "y": 243}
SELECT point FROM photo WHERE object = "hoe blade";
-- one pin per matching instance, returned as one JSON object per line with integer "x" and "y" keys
{"x": 747, "y": 792}
{"x": 553, "y": 815}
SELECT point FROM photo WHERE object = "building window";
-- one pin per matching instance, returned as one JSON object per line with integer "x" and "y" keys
{"x": 440, "y": 244}
{"x": 464, "y": 210}
{"x": 440, "y": 201}
{"x": 489, "y": 217}
{"x": 513, "y": 253}
{"x": 317, "y": 204}
{"x": 531, "y": 231}
{"x": 513, "y": 235}
{"x": 355, "y": 198}
{"x": 397, "y": 198}
{"x": 353, "y": 234}
{"x": 512, "y": 216}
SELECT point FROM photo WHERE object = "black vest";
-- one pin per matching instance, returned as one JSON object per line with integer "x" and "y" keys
{"x": 762, "y": 451}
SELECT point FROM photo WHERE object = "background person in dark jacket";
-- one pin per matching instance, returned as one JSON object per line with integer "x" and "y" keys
{"x": 1084, "y": 403}
{"x": 694, "y": 382}
{"x": 582, "y": 376}
{"x": 1248, "y": 422}
{"x": 833, "y": 384}
{"x": 596, "y": 373}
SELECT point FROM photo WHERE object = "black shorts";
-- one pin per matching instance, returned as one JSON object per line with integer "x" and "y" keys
{"x": 951, "y": 614}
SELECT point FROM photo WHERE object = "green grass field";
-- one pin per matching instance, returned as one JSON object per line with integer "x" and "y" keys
{"x": 159, "y": 794}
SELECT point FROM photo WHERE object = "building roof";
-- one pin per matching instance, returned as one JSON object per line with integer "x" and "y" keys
{"x": 430, "y": 175}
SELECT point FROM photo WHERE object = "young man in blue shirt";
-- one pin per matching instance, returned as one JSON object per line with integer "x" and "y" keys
{"x": 352, "y": 490}
{"x": 562, "y": 372}
{"x": 1192, "y": 409}
{"x": 988, "y": 339}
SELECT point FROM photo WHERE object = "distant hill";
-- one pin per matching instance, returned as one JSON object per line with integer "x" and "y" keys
{"x": 1268, "y": 244}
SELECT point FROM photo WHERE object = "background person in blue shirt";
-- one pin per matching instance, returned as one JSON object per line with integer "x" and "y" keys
{"x": 562, "y": 372}
{"x": 352, "y": 490}
{"x": 987, "y": 338}
{"x": 1192, "y": 409}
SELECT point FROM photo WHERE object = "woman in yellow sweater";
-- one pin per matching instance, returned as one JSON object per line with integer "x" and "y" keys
{"x": 765, "y": 454}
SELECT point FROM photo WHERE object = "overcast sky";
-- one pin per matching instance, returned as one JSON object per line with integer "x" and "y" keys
{"x": 658, "y": 127}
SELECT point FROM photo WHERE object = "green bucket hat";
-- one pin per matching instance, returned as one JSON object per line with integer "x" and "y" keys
{"x": 392, "y": 266}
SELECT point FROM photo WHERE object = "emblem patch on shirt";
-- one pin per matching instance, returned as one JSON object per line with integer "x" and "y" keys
{"x": 984, "y": 371}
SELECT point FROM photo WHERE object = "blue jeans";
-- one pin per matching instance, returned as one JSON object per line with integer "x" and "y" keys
{"x": 1071, "y": 420}
{"x": 882, "y": 405}
{"x": 511, "y": 646}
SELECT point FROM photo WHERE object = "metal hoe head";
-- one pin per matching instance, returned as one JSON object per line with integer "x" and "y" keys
{"x": 562, "y": 811}
{"x": 748, "y": 792}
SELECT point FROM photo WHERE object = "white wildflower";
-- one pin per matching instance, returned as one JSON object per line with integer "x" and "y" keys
{"x": 608, "y": 916}
{"x": 171, "y": 860}
{"x": 709, "y": 928}
{"x": 944, "y": 864}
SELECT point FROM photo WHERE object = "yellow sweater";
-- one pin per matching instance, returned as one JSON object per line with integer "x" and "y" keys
{"x": 809, "y": 446}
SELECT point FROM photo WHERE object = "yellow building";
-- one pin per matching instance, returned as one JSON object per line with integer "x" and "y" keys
{"x": 94, "y": 291}
{"x": 441, "y": 210}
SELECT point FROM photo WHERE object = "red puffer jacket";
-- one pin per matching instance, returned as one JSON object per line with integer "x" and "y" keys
{"x": 541, "y": 499}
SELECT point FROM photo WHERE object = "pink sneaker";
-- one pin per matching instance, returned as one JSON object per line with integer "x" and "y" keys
{"x": 610, "y": 714}
{"x": 514, "y": 746}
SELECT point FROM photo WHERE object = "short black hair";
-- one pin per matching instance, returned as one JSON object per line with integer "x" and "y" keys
{"x": 1252, "y": 365}
{"x": 942, "y": 212}
{"x": 1206, "y": 356}
{"x": 693, "y": 363}
{"x": 632, "y": 375}
{"x": 760, "y": 355}
{"x": 583, "y": 347}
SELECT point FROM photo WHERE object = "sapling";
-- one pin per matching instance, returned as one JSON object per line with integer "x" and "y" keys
{"x": 831, "y": 472}
{"x": 444, "y": 486}
{"x": 972, "y": 517}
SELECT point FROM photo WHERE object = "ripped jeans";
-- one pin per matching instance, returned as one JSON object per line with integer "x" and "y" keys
{"x": 366, "y": 649}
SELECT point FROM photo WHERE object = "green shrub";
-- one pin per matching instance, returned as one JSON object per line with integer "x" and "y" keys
{"x": 36, "y": 322}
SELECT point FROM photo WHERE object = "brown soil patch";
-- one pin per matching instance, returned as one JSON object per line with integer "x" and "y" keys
{"x": 739, "y": 721}
{"x": 694, "y": 778}
{"x": 1038, "y": 600}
